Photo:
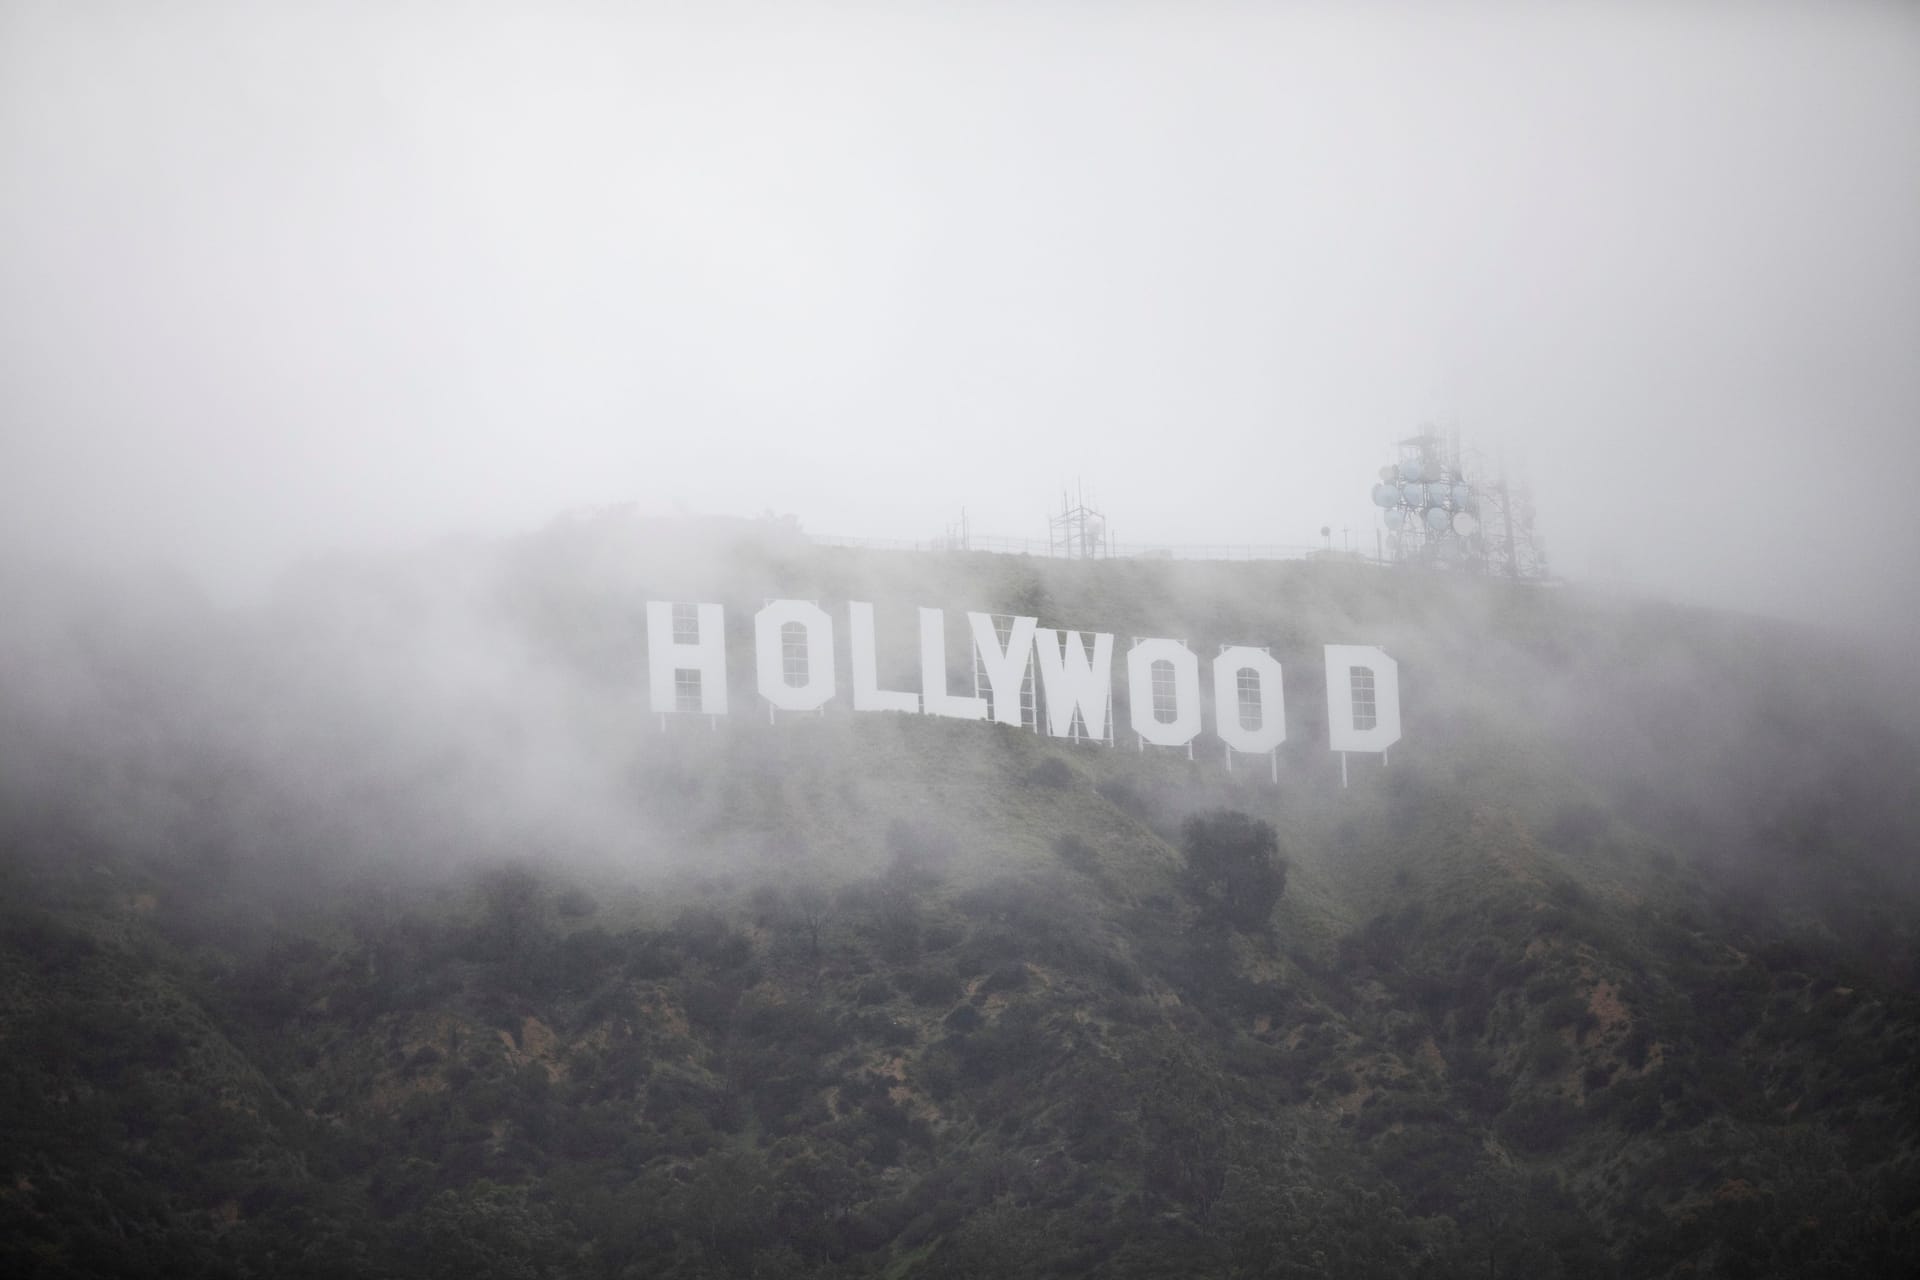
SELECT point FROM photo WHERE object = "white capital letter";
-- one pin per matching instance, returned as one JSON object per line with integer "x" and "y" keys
{"x": 1185, "y": 725}
{"x": 667, "y": 656}
{"x": 1073, "y": 681}
{"x": 1006, "y": 669}
{"x": 769, "y": 640}
{"x": 1355, "y": 671}
{"x": 934, "y": 696}
{"x": 1271, "y": 728}
{"x": 867, "y": 693}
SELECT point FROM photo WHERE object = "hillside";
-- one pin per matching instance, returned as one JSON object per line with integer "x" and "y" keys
{"x": 382, "y": 930}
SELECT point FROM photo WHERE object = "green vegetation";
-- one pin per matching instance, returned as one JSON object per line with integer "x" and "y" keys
{"x": 310, "y": 965}
{"x": 1234, "y": 869}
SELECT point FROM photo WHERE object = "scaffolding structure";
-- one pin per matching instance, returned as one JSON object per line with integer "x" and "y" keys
{"x": 1079, "y": 532}
{"x": 958, "y": 537}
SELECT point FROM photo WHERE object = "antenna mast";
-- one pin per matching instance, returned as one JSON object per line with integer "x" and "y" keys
{"x": 1079, "y": 532}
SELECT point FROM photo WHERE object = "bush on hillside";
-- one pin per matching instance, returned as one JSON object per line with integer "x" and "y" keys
{"x": 1234, "y": 868}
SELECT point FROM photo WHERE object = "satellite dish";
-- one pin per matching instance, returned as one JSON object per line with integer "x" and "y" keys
{"x": 1396, "y": 517}
{"x": 1438, "y": 520}
{"x": 1410, "y": 469}
{"x": 1413, "y": 495}
{"x": 1465, "y": 524}
{"x": 1388, "y": 474}
{"x": 1386, "y": 495}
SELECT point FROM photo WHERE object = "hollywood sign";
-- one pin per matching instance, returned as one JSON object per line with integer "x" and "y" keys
{"x": 795, "y": 670}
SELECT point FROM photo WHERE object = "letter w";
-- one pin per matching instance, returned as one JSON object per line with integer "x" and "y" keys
{"x": 1075, "y": 683}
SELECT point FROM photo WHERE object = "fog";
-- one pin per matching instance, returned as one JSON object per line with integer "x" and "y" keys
{"x": 367, "y": 907}
{"x": 273, "y": 283}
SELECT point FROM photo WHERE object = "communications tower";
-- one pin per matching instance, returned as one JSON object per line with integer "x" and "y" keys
{"x": 1440, "y": 506}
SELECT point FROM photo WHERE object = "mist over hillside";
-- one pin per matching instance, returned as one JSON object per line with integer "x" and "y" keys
{"x": 384, "y": 929}
{"x": 376, "y": 901}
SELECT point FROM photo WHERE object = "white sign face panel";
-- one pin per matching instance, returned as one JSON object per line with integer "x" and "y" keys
{"x": 1271, "y": 730}
{"x": 1006, "y": 668}
{"x": 867, "y": 693}
{"x": 934, "y": 694}
{"x": 704, "y": 653}
{"x": 770, "y": 655}
{"x": 1363, "y": 698}
{"x": 1073, "y": 681}
{"x": 1184, "y": 727}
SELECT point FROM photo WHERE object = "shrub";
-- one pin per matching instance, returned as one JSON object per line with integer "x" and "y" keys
{"x": 1636, "y": 1047}
{"x": 1538, "y": 1125}
{"x": 1011, "y": 977}
{"x": 1549, "y": 1054}
{"x": 965, "y": 1018}
{"x": 1234, "y": 868}
{"x": 933, "y": 986}
{"x": 1119, "y": 793}
{"x": 1568, "y": 1010}
{"x": 1053, "y": 772}
{"x": 703, "y": 935}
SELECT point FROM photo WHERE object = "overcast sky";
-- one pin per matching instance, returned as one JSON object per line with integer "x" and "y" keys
{"x": 279, "y": 278}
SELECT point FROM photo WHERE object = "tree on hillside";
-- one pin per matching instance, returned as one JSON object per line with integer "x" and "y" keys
{"x": 808, "y": 909}
{"x": 512, "y": 926}
{"x": 1235, "y": 870}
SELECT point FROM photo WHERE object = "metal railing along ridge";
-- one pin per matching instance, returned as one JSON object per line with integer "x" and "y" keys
{"x": 1117, "y": 551}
